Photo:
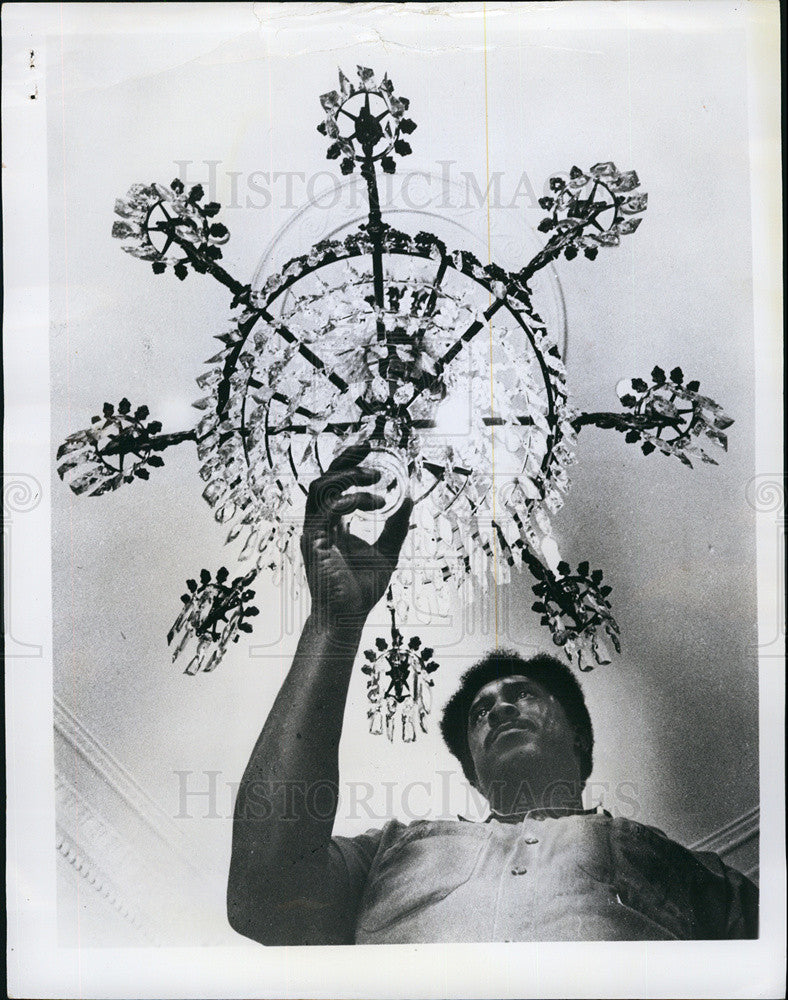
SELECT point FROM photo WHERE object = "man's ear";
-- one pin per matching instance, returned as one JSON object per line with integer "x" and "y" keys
{"x": 470, "y": 775}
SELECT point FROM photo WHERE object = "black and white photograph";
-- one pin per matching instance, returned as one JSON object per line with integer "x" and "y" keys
{"x": 393, "y": 502}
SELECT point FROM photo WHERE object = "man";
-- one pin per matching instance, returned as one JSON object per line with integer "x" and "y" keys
{"x": 540, "y": 869}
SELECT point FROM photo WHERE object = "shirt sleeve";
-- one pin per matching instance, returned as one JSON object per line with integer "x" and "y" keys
{"x": 737, "y": 902}
{"x": 351, "y": 858}
{"x": 743, "y": 906}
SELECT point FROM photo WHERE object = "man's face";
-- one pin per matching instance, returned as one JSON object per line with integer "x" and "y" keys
{"x": 516, "y": 727}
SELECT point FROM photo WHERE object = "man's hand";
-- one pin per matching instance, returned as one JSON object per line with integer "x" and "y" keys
{"x": 347, "y": 576}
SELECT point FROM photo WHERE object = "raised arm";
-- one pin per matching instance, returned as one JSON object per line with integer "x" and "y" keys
{"x": 282, "y": 888}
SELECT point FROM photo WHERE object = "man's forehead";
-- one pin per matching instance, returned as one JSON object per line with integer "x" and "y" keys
{"x": 493, "y": 687}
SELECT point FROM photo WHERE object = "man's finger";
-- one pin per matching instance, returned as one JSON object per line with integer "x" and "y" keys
{"x": 349, "y": 457}
{"x": 349, "y": 502}
{"x": 395, "y": 531}
{"x": 329, "y": 487}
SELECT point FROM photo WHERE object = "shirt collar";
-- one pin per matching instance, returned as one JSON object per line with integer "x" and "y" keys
{"x": 540, "y": 814}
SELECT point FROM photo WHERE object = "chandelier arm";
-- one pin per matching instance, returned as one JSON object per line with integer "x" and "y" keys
{"x": 291, "y": 460}
{"x": 457, "y": 493}
{"x": 162, "y": 441}
{"x": 306, "y": 352}
{"x": 337, "y": 428}
{"x": 476, "y": 326}
{"x": 319, "y": 365}
{"x": 245, "y": 328}
{"x": 556, "y": 244}
{"x": 627, "y": 421}
{"x": 124, "y": 445}
{"x": 240, "y": 291}
{"x": 471, "y": 332}
{"x": 267, "y": 439}
{"x": 451, "y": 353}
{"x": 231, "y": 362}
{"x": 375, "y": 228}
{"x": 390, "y": 606}
{"x": 432, "y": 301}
{"x": 537, "y": 568}
{"x": 439, "y": 471}
{"x": 523, "y": 419}
{"x": 468, "y": 335}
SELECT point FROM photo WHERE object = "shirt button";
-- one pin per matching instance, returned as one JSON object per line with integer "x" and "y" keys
{"x": 531, "y": 840}
{"x": 519, "y": 871}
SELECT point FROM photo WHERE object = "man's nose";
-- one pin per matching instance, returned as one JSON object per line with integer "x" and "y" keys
{"x": 502, "y": 711}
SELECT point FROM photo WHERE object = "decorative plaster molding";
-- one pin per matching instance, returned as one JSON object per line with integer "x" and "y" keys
{"x": 740, "y": 835}
{"x": 127, "y": 875}
{"x": 731, "y": 835}
{"x": 103, "y": 886}
{"x": 119, "y": 779}
{"x": 118, "y": 838}
{"x": 94, "y": 849}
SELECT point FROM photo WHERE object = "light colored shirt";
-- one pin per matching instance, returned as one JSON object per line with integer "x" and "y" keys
{"x": 578, "y": 877}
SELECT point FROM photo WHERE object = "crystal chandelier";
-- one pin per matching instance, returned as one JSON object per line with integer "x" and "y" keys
{"x": 439, "y": 362}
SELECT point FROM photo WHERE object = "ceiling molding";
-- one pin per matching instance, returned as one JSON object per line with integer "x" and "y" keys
{"x": 732, "y": 835}
{"x": 737, "y": 843}
{"x": 144, "y": 880}
{"x": 120, "y": 781}
{"x": 106, "y": 891}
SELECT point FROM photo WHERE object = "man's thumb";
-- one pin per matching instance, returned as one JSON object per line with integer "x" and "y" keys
{"x": 395, "y": 530}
